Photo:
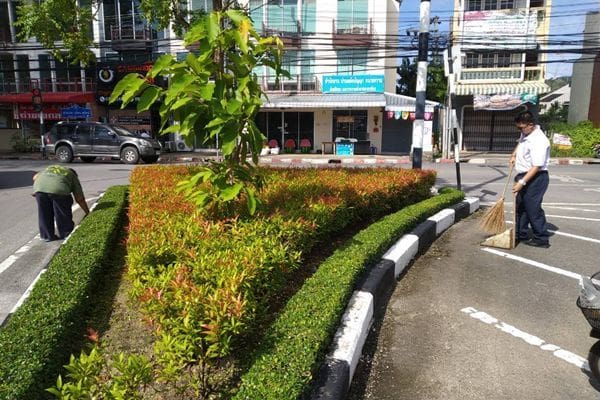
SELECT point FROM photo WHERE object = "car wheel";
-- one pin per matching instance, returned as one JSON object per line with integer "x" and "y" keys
{"x": 64, "y": 154}
{"x": 88, "y": 159}
{"x": 130, "y": 155}
{"x": 150, "y": 159}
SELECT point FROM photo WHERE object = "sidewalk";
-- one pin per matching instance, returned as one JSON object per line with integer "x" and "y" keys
{"x": 204, "y": 155}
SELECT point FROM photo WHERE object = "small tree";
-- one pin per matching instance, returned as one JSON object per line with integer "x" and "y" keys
{"x": 214, "y": 94}
{"x": 436, "y": 81}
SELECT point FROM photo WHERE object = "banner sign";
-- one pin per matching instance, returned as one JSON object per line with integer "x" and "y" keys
{"x": 502, "y": 101}
{"x": 352, "y": 83}
{"x": 499, "y": 30}
{"x": 25, "y": 112}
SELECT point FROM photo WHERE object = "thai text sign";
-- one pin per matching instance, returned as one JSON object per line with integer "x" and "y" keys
{"x": 75, "y": 112}
{"x": 353, "y": 84}
{"x": 499, "y": 29}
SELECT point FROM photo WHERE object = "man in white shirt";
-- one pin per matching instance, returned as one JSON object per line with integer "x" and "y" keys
{"x": 530, "y": 159}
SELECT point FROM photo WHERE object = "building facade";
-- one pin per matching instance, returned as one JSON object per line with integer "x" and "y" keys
{"x": 499, "y": 68}
{"x": 338, "y": 52}
{"x": 586, "y": 76}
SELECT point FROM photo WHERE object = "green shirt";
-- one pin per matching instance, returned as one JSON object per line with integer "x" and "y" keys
{"x": 57, "y": 179}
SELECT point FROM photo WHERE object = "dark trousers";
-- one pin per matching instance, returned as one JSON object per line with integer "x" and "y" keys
{"x": 529, "y": 208}
{"x": 51, "y": 207}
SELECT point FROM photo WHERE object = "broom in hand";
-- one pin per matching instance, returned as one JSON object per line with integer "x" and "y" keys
{"x": 493, "y": 220}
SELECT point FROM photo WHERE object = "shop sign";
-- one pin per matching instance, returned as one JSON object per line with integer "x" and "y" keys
{"x": 75, "y": 112}
{"x": 352, "y": 83}
{"x": 133, "y": 120}
{"x": 24, "y": 112}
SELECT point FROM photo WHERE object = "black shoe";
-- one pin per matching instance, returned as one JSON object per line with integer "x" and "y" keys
{"x": 536, "y": 243}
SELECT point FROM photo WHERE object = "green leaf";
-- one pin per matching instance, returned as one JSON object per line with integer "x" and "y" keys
{"x": 213, "y": 28}
{"x": 123, "y": 85}
{"x": 192, "y": 61}
{"x": 160, "y": 64}
{"x": 236, "y": 16}
{"x": 149, "y": 97}
{"x": 206, "y": 92}
{"x": 231, "y": 192}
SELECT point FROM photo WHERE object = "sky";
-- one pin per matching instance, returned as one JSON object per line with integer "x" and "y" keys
{"x": 567, "y": 17}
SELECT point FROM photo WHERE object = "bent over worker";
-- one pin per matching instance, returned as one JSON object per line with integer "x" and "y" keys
{"x": 53, "y": 188}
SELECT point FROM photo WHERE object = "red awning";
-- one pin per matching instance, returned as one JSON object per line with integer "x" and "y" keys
{"x": 50, "y": 97}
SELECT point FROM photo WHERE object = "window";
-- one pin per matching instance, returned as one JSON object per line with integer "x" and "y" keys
{"x": 102, "y": 132}
{"x": 503, "y": 60}
{"x": 309, "y": 16}
{"x": 536, "y": 3}
{"x": 487, "y": 60}
{"x": 473, "y": 5}
{"x": 490, "y": 5}
{"x": 350, "y": 124}
{"x": 472, "y": 60}
{"x": 281, "y": 16}
{"x": 85, "y": 130}
{"x": 507, "y": 4}
{"x": 352, "y": 16}
{"x": 351, "y": 61}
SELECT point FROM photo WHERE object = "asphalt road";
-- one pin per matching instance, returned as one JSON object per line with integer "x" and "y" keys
{"x": 23, "y": 255}
{"x": 470, "y": 322}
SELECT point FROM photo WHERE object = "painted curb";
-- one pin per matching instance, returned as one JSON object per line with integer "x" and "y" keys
{"x": 335, "y": 374}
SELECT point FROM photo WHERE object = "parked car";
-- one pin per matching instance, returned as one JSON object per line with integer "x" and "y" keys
{"x": 88, "y": 140}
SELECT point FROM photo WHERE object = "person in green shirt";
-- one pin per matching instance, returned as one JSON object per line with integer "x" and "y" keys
{"x": 53, "y": 188}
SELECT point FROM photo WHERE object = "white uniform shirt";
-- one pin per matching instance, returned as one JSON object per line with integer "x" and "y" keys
{"x": 533, "y": 151}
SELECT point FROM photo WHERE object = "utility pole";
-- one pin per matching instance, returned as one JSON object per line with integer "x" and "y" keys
{"x": 419, "y": 123}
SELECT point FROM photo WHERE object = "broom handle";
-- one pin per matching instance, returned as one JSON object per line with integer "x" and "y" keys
{"x": 508, "y": 180}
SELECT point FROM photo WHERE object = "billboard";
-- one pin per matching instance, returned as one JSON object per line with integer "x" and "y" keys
{"x": 499, "y": 30}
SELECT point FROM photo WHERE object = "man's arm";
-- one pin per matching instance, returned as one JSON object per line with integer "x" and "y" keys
{"x": 80, "y": 199}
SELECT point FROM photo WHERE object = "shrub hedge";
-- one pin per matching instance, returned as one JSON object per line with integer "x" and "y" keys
{"x": 39, "y": 337}
{"x": 295, "y": 345}
{"x": 583, "y": 137}
{"x": 204, "y": 284}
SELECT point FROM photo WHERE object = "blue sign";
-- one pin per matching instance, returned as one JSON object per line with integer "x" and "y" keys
{"x": 344, "y": 149}
{"x": 352, "y": 83}
{"x": 75, "y": 112}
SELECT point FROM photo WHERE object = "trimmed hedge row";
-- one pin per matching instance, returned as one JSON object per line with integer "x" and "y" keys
{"x": 293, "y": 348}
{"x": 47, "y": 328}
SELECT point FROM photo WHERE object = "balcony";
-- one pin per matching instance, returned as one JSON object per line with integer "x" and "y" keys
{"x": 48, "y": 86}
{"x": 290, "y": 34}
{"x": 352, "y": 34}
{"x": 494, "y": 74}
{"x": 298, "y": 83}
{"x": 127, "y": 37}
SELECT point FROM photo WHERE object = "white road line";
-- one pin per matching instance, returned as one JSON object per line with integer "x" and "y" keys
{"x": 571, "y": 208}
{"x": 577, "y": 218}
{"x": 571, "y": 235}
{"x": 533, "y": 263}
{"x": 528, "y": 338}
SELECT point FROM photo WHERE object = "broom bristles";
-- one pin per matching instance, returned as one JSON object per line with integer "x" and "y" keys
{"x": 493, "y": 220}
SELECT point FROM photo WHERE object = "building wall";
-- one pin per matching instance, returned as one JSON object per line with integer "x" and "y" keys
{"x": 583, "y": 71}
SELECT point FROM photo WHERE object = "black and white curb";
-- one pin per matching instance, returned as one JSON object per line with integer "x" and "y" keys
{"x": 338, "y": 369}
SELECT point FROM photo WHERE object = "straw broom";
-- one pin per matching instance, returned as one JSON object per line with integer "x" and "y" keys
{"x": 493, "y": 220}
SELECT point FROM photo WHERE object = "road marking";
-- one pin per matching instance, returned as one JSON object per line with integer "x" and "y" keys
{"x": 564, "y": 178}
{"x": 571, "y": 235}
{"x": 571, "y": 208}
{"x": 528, "y": 338}
{"x": 577, "y": 218}
{"x": 591, "y": 190}
{"x": 533, "y": 263}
